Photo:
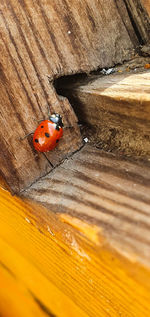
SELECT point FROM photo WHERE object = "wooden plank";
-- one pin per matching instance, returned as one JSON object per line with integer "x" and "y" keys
{"x": 63, "y": 265}
{"x": 117, "y": 108}
{"x": 146, "y": 4}
{"x": 139, "y": 12}
{"x": 33, "y": 294}
{"x": 105, "y": 190}
{"x": 42, "y": 40}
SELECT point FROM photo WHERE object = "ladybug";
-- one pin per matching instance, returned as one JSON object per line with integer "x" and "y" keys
{"x": 48, "y": 133}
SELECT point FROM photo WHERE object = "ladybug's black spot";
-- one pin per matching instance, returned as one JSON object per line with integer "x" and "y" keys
{"x": 36, "y": 140}
{"x": 47, "y": 135}
{"x": 57, "y": 140}
{"x": 42, "y": 126}
{"x": 57, "y": 128}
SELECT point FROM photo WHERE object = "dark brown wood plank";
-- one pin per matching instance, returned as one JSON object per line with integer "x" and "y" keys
{"x": 117, "y": 107}
{"x": 104, "y": 190}
{"x": 42, "y": 40}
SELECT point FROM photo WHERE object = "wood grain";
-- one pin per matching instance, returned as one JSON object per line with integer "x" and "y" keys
{"x": 27, "y": 290}
{"x": 139, "y": 12}
{"x": 117, "y": 108}
{"x": 42, "y": 40}
{"x": 104, "y": 190}
{"x": 146, "y": 5}
{"x": 62, "y": 266}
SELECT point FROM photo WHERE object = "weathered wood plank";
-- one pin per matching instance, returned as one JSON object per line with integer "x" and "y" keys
{"x": 139, "y": 12}
{"x": 105, "y": 190}
{"x": 117, "y": 107}
{"x": 50, "y": 38}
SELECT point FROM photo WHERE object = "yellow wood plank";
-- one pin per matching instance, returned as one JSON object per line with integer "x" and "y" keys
{"x": 28, "y": 290}
{"x": 66, "y": 273}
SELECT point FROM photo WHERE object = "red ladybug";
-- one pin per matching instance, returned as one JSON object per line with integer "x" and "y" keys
{"x": 48, "y": 133}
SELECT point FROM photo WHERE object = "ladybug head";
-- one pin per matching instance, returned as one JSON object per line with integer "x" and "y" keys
{"x": 56, "y": 118}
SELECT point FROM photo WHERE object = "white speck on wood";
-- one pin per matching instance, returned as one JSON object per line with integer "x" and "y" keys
{"x": 27, "y": 220}
{"x": 50, "y": 231}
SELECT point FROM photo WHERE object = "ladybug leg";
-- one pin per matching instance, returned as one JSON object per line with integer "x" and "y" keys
{"x": 38, "y": 120}
{"x": 47, "y": 159}
{"x": 41, "y": 120}
{"x": 68, "y": 127}
{"x": 26, "y": 136}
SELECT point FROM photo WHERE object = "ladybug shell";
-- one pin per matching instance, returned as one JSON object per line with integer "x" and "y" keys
{"x": 46, "y": 136}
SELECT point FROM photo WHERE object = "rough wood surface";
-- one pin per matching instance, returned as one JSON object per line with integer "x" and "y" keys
{"x": 104, "y": 190}
{"x": 117, "y": 107}
{"x": 146, "y": 5}
{"x": 139, "y": 12}
{"x": 50, "y": 38}
{"x": 62, "y": 266}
